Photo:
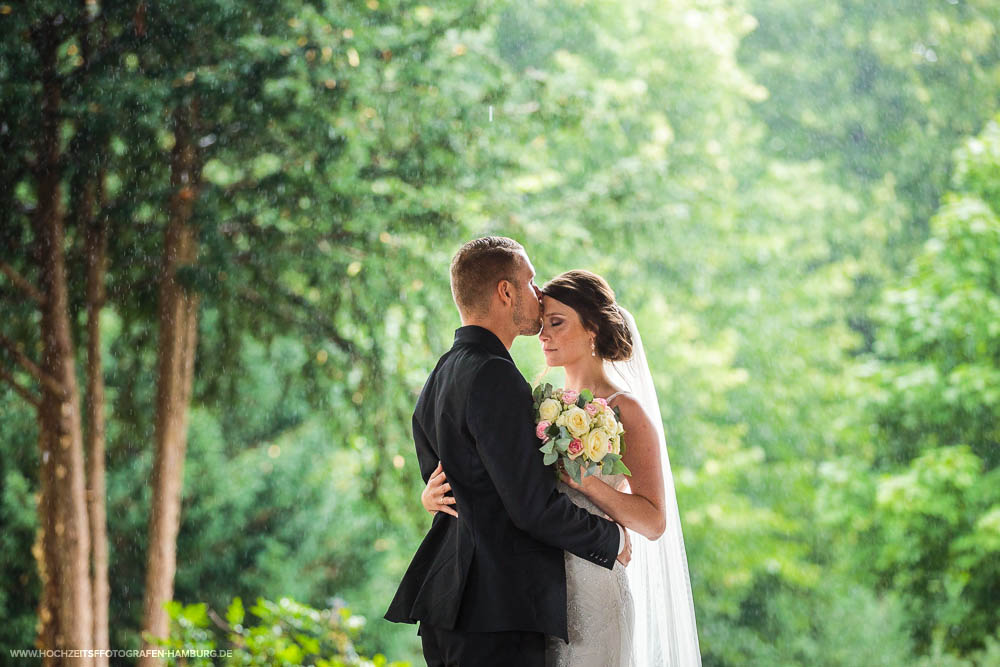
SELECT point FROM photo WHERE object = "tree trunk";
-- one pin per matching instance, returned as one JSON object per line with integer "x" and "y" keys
{"x": 178, "y": 326}
{"x": 95, "y": 227}
{"x": 65, "y": 613}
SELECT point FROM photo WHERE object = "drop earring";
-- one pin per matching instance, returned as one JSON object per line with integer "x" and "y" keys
{"x": 593, "y": 353}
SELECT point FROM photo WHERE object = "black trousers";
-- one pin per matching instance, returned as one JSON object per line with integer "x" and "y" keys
{"x": 451, "y": 648}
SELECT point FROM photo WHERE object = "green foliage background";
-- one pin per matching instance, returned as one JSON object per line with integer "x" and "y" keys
{"x": 798, "y": 201}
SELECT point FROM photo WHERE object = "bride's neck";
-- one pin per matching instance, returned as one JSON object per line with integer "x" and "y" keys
{"x": 588, "y": 373}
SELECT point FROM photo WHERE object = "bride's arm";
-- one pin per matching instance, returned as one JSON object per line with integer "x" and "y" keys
{"x": 434, "y": 497}
{"x": 643, "y": 510}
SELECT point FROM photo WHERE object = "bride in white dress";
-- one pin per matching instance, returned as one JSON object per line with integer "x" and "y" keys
{"x": 642, "y": 616}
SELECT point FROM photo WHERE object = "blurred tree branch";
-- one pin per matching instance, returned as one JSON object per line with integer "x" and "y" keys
{"x": 22, "y": 283}
{"x": 44, "y": 378}
{"x": 21, "y": 390}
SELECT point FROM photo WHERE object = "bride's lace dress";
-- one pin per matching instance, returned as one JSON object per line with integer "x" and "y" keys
{"x": 599, "y": 606}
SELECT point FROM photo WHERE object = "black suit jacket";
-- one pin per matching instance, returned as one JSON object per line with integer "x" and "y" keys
{"x": 499, "y": 565}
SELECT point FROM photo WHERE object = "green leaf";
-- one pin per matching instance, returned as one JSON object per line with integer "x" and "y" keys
{"x": 174, "y": 608}
{"x": 562, "y": 444}
{"x": 548, "y": 447}
{"x": 587, "y": 395}
{"x": 309, "y": 644}
{"x": 235, "y": 613}
{"x": 620, "y": 468}
{"x": 550, "y": 458}
{"x": 573, "y": 469}
{"x": 196, "y": 614}
{"x": 290, "y": 654}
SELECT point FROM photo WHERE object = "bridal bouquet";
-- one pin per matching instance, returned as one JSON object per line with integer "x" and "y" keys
{"x": 582, "y": 432}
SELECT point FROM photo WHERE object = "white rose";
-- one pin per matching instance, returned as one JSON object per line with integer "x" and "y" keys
{"x": 607, "y": 421}
{"x": 577, "y": 421}
{"x": 595, "y": 444}
{"x": 616, "y": 444}
{"x": 549, "y": 409}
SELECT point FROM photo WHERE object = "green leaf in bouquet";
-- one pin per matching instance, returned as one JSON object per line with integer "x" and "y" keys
{"x": 550, "y": 458}
{"x": 547, "y": 393}
{"x": 592, "y": 469}
{"x": 587, "y": 395}
{"x": 581, "y": 402}
{"x": 547, "y": 448}
{"x": 573, "y": 468}
{"x": 563, "y": 433}
{"x": 536, "y": 394}
{"x": 553, "y": 431}
{"x": 562, "y": 444}
{"x": 620, "y": 468}
{"x": 607, "y": 465}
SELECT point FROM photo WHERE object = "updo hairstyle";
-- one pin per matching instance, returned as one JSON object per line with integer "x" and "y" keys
{"x": 594, "y": 301}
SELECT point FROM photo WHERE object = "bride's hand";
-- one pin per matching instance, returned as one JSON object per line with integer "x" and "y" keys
{"x": 585, "y": 482}
{"x": 434, "y": 496}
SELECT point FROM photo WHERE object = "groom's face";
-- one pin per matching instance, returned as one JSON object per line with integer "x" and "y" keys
{"x": 527, "y": 304}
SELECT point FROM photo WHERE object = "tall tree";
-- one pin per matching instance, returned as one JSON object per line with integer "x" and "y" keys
{"x": 178, "y": 325}
{"x": 932, "y": 398}
{"x": 94, "y": 226}
{"x": 65, "y": 611}
{"x": 303, "y": 188}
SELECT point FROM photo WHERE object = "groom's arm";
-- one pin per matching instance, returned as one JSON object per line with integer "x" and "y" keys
{"x": 500, "y": 418}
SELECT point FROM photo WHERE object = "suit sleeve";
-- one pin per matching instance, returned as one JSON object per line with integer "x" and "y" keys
{"x": 426, "y": 457}
{"x": 501, "y": 420}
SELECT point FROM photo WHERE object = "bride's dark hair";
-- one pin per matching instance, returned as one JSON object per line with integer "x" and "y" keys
{"x": 594, "y": 301}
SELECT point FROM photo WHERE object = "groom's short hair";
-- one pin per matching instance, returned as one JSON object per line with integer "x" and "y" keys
{"x": 476, "y": 269}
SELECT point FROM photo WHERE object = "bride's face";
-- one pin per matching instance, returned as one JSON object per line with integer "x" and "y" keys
{"x": 564, "y": 338}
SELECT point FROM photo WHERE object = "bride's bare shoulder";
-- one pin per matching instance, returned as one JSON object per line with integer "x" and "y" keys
{"x": 632, "y": 412}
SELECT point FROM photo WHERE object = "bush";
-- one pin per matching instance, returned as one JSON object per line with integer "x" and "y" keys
{"x": 280, "y": 633}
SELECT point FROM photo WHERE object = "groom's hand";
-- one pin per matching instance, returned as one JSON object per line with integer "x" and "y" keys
{"x": 626, "y": 555}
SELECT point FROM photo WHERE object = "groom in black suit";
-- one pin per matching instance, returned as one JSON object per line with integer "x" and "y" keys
{"x": 488, "y": 585}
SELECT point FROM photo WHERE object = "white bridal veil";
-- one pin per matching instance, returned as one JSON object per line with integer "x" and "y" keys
{"x": 666, "y": 634}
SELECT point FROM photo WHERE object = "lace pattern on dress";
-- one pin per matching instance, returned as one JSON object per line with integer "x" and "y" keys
{"x": 600, "y": 614}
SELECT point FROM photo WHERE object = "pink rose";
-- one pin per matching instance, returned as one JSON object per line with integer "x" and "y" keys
{"x": 569, "y": 396}
{"x": 540, "y": 430}
{"x": 602, "y": 401}
{"x": 592, "y": 409}
{"x": 575, "y": 448}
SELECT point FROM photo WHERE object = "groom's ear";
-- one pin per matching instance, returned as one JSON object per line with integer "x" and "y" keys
{"x": 505, "y": 290}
